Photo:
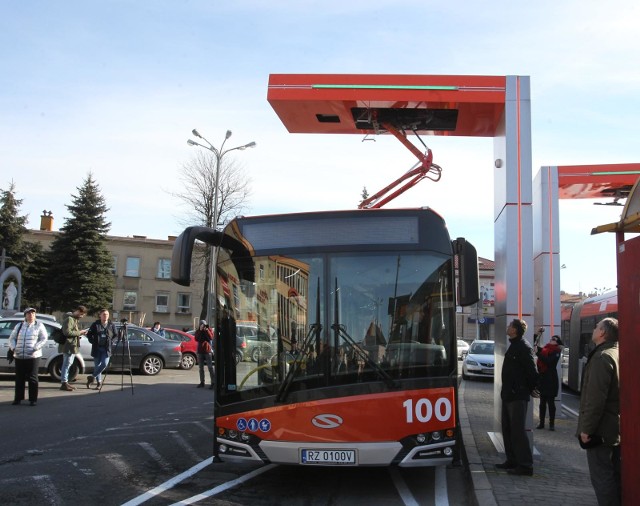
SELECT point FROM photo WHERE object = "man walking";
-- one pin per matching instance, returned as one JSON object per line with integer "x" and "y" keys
{"x": 71, "y": 346}
{"x": 519, "y": 379}
{"x": 599, "y": 420}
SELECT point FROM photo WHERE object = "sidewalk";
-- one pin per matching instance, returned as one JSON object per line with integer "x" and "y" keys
{"x": 561, "y": 476}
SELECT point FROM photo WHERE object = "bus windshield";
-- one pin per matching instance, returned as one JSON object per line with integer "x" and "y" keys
{"x": 336, "y": 319}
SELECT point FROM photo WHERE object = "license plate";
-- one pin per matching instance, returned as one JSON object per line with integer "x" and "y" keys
{"x": 339, "y": 457}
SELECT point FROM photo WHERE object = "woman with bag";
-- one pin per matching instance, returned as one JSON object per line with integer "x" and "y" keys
{"x": 548, "y": 357}
{"x": 204, "y": 337}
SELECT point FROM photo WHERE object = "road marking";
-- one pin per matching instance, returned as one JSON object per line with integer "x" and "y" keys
{"x": 118, "y": 462}
{"x": 441, "y": 492}
{"x": 153, "y": 453}
{"x": 225, "y": 486}
{"x": 569, "y": 410}
{"x": 185, "y": 446}
{"x": 48, "y": 489}
{"x": 401, "y": 486}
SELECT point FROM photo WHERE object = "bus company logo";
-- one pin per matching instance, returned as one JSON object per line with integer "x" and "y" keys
{"x": 327, "y": 421}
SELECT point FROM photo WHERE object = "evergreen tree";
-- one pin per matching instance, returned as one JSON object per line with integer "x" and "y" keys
{"x": 12, "y": 227}
{"x": 80, "y": 261}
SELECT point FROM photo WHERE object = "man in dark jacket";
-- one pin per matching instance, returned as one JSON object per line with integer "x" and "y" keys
{"x": 519, "y": 379}
{"x": 599, "y": 420}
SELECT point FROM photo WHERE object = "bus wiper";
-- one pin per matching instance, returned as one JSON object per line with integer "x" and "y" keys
{"x": 307, "y": 348}
{"x": 380, "y": 372}
{"x": 340, "y": 331}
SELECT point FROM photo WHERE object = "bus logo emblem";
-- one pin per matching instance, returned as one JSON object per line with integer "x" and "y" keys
{"x": 327, "y": 421}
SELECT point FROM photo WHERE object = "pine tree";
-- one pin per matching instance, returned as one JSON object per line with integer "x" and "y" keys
{"x": 12, "y": 227}
{"x": 80, "y": 262}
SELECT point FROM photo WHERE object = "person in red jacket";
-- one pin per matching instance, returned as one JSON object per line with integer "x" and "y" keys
{"x": 548, "y": 384}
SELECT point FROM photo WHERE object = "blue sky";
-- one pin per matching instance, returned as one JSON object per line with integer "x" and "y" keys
{"x": 115, "y": 88}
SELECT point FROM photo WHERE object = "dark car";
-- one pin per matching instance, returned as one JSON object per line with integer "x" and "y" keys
{"x": 149, "y": 353}
{"x": 188, "y": 347}
{"x": 51, "y": 360}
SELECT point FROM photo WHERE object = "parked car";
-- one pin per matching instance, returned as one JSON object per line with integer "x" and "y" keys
{"x": 188, "y": 347}
{"x": 51, "y": 360}
{"x": 480, "y": 360}
{"x": 463, "y": 348}
{"x": 260, "y": 342}
{"x": 149, "y": 353}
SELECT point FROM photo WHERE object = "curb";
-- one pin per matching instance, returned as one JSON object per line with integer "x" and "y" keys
{"x": 482, "y": 489}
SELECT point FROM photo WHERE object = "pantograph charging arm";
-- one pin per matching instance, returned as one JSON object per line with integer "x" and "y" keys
{"x": 424, "y": 169}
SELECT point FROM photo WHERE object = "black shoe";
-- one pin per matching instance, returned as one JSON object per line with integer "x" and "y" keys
{"x": 521, "y": 471}
{"x": 551, "y": 427}
{"x": 33, "y": 403}
{"x": 201, "y": 385}
{"x": 540, "y": 426}
{"x": 89, "y": 380}
{"x": 15, "y": 403}
{"x": 506, "y": 465}
{"x": 211, "y": 387}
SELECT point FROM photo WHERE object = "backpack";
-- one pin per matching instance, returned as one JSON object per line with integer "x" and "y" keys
{"x": 57, "y": 336}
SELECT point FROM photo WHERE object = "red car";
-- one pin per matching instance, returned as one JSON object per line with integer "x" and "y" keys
{"x": 188, "y": 347}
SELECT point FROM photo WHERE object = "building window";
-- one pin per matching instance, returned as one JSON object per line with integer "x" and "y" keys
{"x": 261, "y": 272}
{"x": 184, "y": 303}
{"x": 114, "y": 267}
{"x": 236, "y": 297}
{"x": 162, "y": 302}
{"x": 133, "y": 267}
{"x": 164, "y": 268}
{"x": 130, "y": 301}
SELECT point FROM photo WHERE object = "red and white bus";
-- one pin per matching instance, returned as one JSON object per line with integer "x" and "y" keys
{"x": 363, "y": 304}
{"x": 578, "y": 322}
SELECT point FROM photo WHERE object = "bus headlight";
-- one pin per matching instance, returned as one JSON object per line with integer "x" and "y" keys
{"x": 232, "y": 434}
{"x": 436, "y": 436}
{"x": 421, "y": 438}
{"x": 448, "y": 451}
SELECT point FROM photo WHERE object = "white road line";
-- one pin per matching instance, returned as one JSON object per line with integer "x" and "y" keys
{"x": 569, "y": 410}
{"x": 168, "y": 484}
{"x": 225, "y": 486}
{"x": 202, "y": 426}
{"x": 184, "y": 444}
{"x": 441, "y": 492}
{"x": 48, "y": 490}
{"x": 153, "y": 453}
{"x": 119, "y": 463}
{"x": 401, "y": 486}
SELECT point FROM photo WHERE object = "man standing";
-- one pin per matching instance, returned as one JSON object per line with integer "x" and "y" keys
{"x": 599, "y": 420}
{"x": 519, "y": 379}
{"x": 26, "y": 342}
{"x": 71, "y": 346}
{"x": 101, "y": 335}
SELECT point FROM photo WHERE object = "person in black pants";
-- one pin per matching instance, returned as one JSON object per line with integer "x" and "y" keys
{"x": 519, "y": 378}
{"x": 548, "y": 384}
{"x": 26, "y": 343}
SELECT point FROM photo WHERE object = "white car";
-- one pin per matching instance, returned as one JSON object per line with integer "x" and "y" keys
{"x": 463, "y": 348}
{"x": 51, "y": 360}
{"x": 480, "y": 360}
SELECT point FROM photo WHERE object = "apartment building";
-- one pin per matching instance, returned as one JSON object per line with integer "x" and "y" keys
{"x": 144, "y": 292}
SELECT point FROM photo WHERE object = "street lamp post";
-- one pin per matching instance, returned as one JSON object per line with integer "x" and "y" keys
{"x": 219, "y": 154}
{"x": 212, "y": 318}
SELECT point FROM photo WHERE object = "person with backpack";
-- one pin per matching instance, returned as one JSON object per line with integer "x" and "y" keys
{"x": 26, "y": 343}
{"x": 101, "y": 335}
{"x": 71, "y": 346}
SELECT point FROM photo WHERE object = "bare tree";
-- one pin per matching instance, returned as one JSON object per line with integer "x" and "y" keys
{"x": 197, "y": 194}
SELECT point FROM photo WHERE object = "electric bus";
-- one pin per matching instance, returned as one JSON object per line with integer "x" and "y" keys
{"x": 578, "y": 323}
{"x": 363, "y": 369}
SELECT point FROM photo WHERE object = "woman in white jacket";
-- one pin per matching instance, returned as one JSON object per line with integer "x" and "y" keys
{"x": 26, "y": 343}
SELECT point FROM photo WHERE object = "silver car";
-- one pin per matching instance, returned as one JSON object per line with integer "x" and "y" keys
{"x": 51, "y": 360}
{"x": 480, "y": 360}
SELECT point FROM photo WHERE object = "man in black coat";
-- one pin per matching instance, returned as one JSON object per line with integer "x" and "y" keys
{"x": 519, "y": 379}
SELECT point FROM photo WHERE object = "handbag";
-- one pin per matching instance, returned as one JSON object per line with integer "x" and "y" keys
{"x": 10, "y": 355}
{"x": 206, "y": 347}
{"x": 592, "y": 443}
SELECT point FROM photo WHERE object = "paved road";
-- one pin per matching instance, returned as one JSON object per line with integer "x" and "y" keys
{"x": 115, "y": 448}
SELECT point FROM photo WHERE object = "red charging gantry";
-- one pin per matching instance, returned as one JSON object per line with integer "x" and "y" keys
{"x": 399, "y": 105}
